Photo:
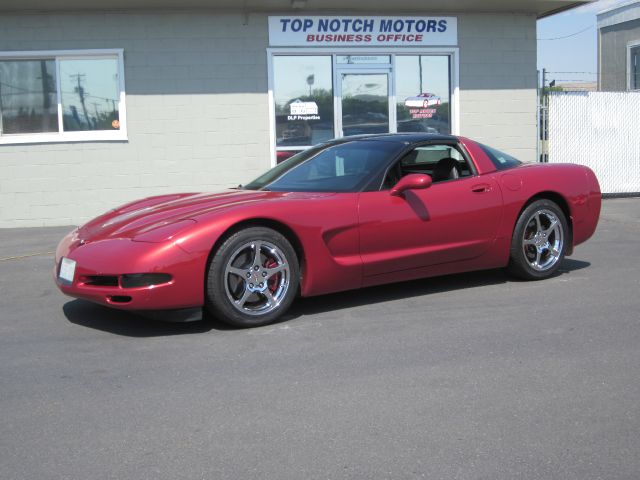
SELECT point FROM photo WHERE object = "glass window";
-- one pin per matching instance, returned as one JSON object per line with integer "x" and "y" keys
{"x": 500, "y": 159}
{"x": 423, "y": 93}
{"x": 303, "y": 95}
{"x": 61, "y": 96}
{"x": 90, "y": 91}
{"x": 28, "y": 96}
{"x": 634, "y": 83}
{"x": 430, "y": 155}
{"x": 441, "y": 162}
{"x": 345, "y": 167}
{"x": 365, "y": 103}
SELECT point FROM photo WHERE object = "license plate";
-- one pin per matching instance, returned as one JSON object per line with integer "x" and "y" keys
{"x": 67, "y": 269}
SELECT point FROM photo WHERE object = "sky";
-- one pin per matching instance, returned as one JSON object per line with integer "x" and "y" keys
{"x": 574, "y": 58}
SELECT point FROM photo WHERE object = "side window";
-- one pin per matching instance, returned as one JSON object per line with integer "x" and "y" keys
{"x": 441, "y": 162}
{"x": 500, "y": 159}
{"x": 344, "y": 167}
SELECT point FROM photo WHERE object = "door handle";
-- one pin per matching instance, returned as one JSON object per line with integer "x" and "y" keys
{"x": 481, "y": 188}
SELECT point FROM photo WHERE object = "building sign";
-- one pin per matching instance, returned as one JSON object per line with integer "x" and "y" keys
{"x": 310, "y": 31}
{"x": 420, "y": 105}
{"x": 300, "y": 110}
{"x": 298, "y": 107}
{"x": 363, "y": 59}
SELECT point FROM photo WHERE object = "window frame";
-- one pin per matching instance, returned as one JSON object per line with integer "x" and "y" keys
{"x": 454, "y": 78}
{"x": 453, "y": 95}
{"x": 377, "y": 185}
{"x": 272, "y": 105}
{"x": 631, "y": 45}
{"x": 72, "y": 136}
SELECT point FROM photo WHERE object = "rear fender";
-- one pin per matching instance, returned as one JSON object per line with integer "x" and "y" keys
{"x": 573, "y": 187}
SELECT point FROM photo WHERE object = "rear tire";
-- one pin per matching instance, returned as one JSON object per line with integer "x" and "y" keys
{"x": 539, "y": 241}
{"x": 252, "y": 278}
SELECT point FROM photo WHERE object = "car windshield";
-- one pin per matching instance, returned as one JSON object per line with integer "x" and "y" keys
{"x": 345, "y": 167}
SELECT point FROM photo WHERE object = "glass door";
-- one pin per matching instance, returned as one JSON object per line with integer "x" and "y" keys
{"x": 363, "y": 103}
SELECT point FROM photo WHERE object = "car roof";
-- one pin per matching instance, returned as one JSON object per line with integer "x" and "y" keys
{"x": 405, "y": 138}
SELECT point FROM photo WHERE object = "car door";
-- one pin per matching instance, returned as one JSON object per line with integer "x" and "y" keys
{"x": 455, "y": 219}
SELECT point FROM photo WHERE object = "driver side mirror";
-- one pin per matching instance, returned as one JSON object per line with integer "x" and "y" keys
{"x": 413, "y": 181}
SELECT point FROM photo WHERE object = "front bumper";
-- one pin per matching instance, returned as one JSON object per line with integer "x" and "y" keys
{"x": 117, "y": 257}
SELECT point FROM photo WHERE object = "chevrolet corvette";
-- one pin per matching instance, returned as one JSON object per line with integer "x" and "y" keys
{"x": 349, "y": 213}
{"x": 423, "y": 100}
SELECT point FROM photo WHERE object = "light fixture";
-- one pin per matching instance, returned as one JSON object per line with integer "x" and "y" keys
{"x": 298, "y": 4}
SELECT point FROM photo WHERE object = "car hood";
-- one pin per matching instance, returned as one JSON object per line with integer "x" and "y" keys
{"x": 139, "y": 218}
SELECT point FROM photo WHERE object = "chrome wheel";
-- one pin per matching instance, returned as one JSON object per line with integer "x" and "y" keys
{"x": 542, "y": 240}
{"x": 257, "y": 277}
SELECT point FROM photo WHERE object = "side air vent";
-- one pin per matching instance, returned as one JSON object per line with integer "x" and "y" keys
{"x": 137, "y": 280}
{"x": 101, "y": 281}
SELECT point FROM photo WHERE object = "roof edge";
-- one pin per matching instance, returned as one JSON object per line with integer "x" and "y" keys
{"x": 619, "y": 6}
{"x": 563, "y": 9}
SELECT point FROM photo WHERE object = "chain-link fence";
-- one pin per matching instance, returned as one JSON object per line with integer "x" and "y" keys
{"x": 598, "y": 129}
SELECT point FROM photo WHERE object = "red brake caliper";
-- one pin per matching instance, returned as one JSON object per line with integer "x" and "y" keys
{"x": 273, "y": 281}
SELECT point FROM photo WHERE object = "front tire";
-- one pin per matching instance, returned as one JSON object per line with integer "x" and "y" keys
{"x": 539, "y": 241}
{"x": 252, "y": 278}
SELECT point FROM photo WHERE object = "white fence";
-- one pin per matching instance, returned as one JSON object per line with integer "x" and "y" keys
{"x": 600, "y": 130}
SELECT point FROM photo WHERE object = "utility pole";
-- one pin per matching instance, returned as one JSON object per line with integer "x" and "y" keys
{"x": 80, "y": 90}
{"x": 544, "y": 119}
{"x": 538, "y": 115}
{"x": 44, "y": 77}
{"x": 113, "y": 104}
{"x": 46, "y": 99}
{"x": 310, "y": 81}
{"x": 97, "y": 118}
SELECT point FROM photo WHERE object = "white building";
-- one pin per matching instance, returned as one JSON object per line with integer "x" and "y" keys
{"x": 619, "y": 47}
{"x": 102, "y": 103}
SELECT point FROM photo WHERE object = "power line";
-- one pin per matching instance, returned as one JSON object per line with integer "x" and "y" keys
{"x": 586, "y": 73}
{"x": 604, "y": 72}
{"x": 567, "y": 36}
{"x": 24, "y": 91}
{"x": 572, "y": 80}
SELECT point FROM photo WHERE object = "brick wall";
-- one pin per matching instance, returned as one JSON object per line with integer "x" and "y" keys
{"x": 498, "y": 81}
{"x": 197, "y": 106}
{"x": 197, "y": 114}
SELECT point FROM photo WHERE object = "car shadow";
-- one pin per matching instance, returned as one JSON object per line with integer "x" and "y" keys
{"x": 571, "y": 264}
{"x": 413, "y": 288}
{"x": 118, "y": 322}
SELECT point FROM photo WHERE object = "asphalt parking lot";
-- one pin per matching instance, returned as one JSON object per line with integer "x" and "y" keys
{"x": 471, "y": 376}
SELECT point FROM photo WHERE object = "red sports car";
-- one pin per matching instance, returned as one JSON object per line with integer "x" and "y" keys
{"x": 345, "y": 214}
